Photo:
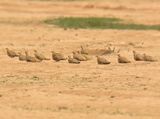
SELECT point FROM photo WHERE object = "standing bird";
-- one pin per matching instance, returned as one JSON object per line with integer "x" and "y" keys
{"x": 102, "y": 60}
{"x": 58, "y": 56}
{"x": 137, "y": 56}
{"x": 78, "y": 56}
{"x": 40, "y": 56}
{"x": 122, "y": 59}
{"x": 11, "y": 53}
{"x": 22, "y": 57}
{"x": 73, "y": 60}
{"x": 30, "y": 58}
{"x": 149, "y": 58}
{"x": 84, "y": 50}
{"x": 85, "y": 55}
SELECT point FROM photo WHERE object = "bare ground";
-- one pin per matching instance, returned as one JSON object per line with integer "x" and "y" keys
{"x": 51, "y": 90}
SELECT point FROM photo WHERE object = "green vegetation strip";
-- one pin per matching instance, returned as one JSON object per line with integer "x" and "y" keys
{"x": 98, "y": 23}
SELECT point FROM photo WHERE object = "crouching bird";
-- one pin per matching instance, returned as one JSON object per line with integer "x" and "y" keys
{"x": 102, "y": 60}
{"x": 58, "y": 56}
{"x": 122, "y": 59}
{"x": 11, "y": 53}
{"x": 138, "y": 56}
{"x": 30, "y": 58}
{"x": 40, "y": 56}
{"x": 149, "y": 58}
{"x": 73, "y": 60}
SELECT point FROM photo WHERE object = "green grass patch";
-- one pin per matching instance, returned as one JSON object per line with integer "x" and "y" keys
{"x": 98, "y": 23}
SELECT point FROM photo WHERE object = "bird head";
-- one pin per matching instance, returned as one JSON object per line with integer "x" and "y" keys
{"x": 53, "y": 52}
{"x": 78, "y": 52}
{"x": 19, "y": 53}
{"x": 26, "y": 52}
{"x": 134, "y": 52}
{"x": 35, "y": 50}
{"x": 74, "y": 52}
{"x": 97, "y": 56}
{"x": 118, "y": 55}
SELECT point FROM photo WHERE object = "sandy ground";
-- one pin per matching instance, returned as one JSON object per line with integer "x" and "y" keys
{"x": 51, "y": 90}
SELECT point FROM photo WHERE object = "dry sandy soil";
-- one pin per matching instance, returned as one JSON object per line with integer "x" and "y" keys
{"x": 51, "y": 90}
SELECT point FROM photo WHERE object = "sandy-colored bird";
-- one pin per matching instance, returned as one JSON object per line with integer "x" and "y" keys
{"x": 122, "y": 59}
{"x": 138, "y": 56}
{"x": 73, "y": 60}
{"x": 78, "y": 56}
{"x": 11, "y": 53}
{"x": 84, "y": 50}
{"x": 40, "y": 56}
{"x": 85, "y": 55}
{"x": 58, "y": 56}
{"x": 21, "y": 57}
{"x": 149, "y": 58}
{"x": 102, "y": 60}
{"x": 30, "y": 58}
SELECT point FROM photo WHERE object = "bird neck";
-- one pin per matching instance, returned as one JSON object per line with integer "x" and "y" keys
{"x": 26, "y": 53}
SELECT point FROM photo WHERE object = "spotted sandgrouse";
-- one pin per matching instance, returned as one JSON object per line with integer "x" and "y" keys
{"x": 22, "y": 57}
{"x": 11, "y": 53}
{"x": 73, "y": 60}
{"x": 78, "y": 56}
{"x": 149, "y": 58}
{"x": 40, "y": 56}
{"x": 58, "y": 56}
{"x": 137, "y": 56}
{"x": 122, "y": 59}
{"x": 85, "y": 55}
{"x": 30, "y": 58}
{"x": 84, "y": 50}
{"x": 102, "y": 60}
